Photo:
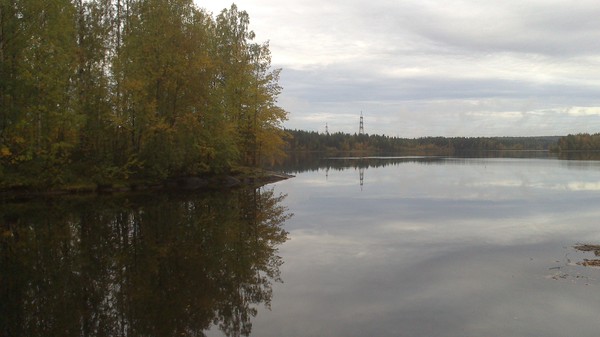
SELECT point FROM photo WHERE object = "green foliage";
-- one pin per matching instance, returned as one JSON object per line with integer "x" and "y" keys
{"x": 340, "y": 142}
{"x": 94, "y": 86}
{"x": 579, "y": 142}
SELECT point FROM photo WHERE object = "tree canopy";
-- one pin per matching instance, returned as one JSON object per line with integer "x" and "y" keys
{"x": 579, "y": 142}
{"x": 115, "y": 89}
{"x": 303, "y": 141}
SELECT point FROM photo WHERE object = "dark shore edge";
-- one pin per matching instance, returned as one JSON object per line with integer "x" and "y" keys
{"x": 184, "y": 184}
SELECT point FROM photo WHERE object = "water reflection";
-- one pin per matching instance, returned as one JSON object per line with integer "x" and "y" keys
{"x": 140, "y": 265}
{"x": 580, "y": 155}
{"x": 440, "y": 247}
{"x": 309, "y": 163}
{"x": 361, "y": 176}
{"x": 298, "y": 164}
{"x": 338, "y": 166}
{"x": 304, "y": 162}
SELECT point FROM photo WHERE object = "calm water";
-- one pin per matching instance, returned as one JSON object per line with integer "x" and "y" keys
{"x": 386, "y": 247}
{"x": 439, "y": 247}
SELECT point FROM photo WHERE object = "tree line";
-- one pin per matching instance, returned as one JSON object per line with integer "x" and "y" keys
{"x": 119, "y": 89}
{"x": 579, "y": 142}
{"x": 302, "y": 141}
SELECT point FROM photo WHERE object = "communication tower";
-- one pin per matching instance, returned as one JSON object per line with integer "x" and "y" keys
{"x": 361, "y": 127}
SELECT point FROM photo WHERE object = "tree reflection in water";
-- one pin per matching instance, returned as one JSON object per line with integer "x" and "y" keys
{"x": 168, "y": 265}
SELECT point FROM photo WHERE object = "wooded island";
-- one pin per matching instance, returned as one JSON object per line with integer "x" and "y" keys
{"x": 98, "y": 92}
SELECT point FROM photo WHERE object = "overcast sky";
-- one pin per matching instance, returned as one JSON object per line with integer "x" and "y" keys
{"x": 434, "y": 68}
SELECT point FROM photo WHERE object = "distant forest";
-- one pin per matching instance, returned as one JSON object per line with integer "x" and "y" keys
{"x": 579, "y": 142}
{"x": 95, "y": 91}
{"x": 307, "y": 141}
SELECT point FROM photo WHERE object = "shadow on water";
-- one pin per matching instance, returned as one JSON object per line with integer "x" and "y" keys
{"x": 580, "y": 155}
{"x": 298, "y": 163}
{"x": 302, "y": 162}
{"x": 167, "y": 265}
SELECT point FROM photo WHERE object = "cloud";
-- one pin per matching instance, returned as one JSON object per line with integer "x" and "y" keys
{"x": 419, "y": 68}
{"x": 540, "y": 27}
{"x": 583, "y": 111}
{"x": 584, "y": 186}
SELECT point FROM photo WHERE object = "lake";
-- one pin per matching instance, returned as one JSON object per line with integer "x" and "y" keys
{"x": 404, "y": 246}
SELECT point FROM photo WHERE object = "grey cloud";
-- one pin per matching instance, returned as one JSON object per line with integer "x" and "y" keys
{"x": 340, "y": 85}
{"x": 428, "y": 68}
{"x": 554, "y": 29}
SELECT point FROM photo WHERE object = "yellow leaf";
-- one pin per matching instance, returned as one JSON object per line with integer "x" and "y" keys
{"x": 5, "y": 152}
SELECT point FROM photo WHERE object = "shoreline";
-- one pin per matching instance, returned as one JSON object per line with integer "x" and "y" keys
{"x": 183, "y": 184}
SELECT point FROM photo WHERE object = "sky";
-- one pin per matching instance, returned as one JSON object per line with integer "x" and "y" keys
{"x": 418, "y": 68}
